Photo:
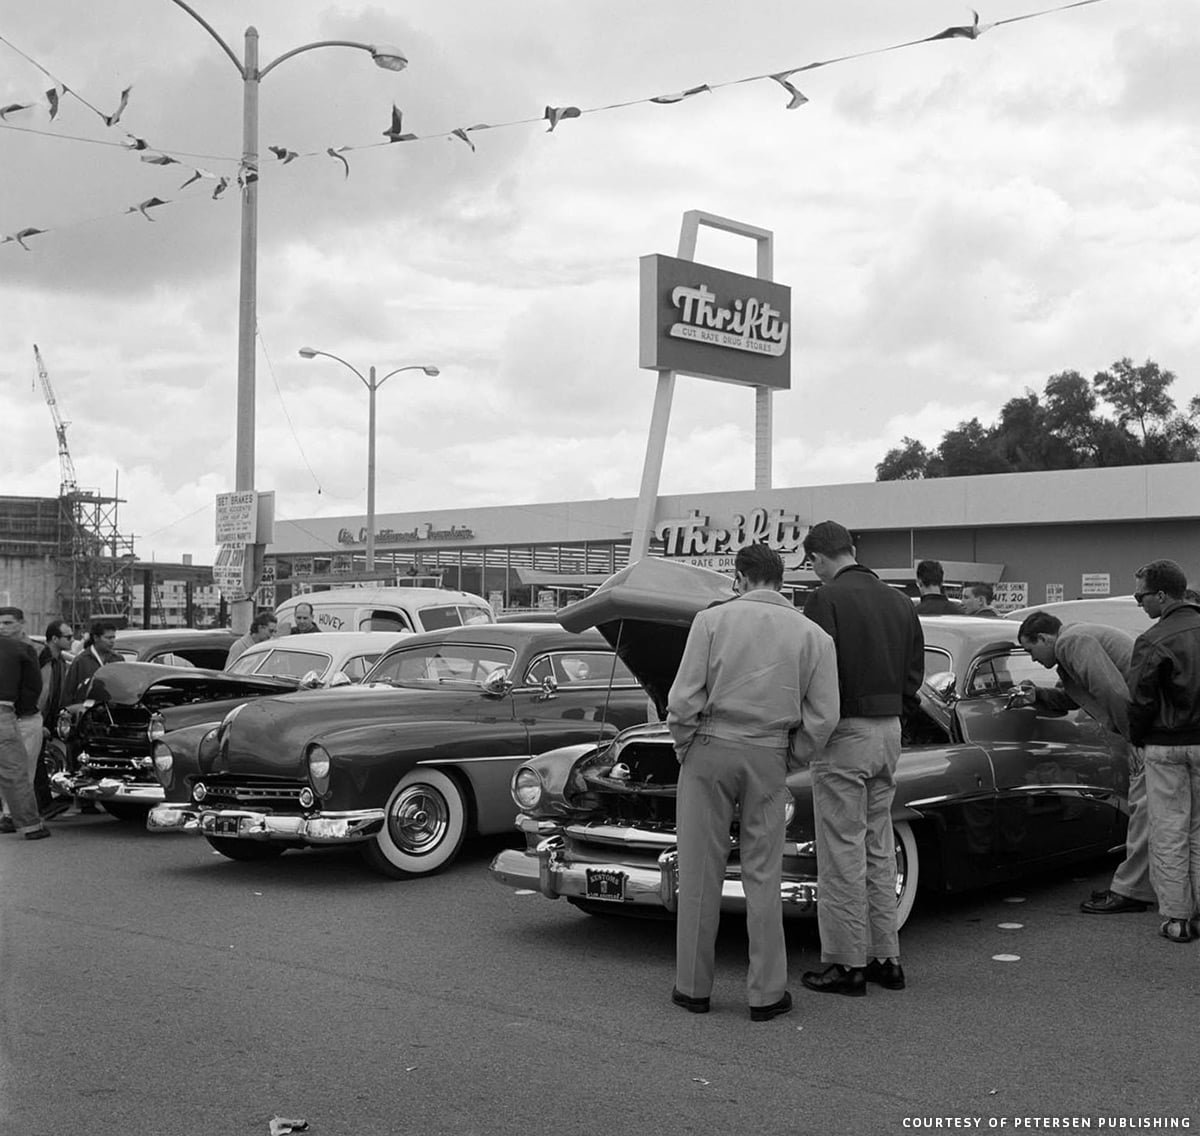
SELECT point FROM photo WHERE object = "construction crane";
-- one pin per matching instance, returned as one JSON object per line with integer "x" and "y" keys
{"x": 69, "y": 483}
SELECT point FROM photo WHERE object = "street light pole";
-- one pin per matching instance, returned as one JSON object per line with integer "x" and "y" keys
{"x": 372, "y": 384}
{"x": 390, "y": 59}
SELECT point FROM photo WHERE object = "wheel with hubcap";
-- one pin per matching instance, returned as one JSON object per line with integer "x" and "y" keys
{"x": 908, "y": 870}
{"x": 246, "y": 850}
{"x": 423, "y": 826}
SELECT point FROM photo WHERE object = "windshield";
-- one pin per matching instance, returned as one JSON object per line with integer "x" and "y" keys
{"x": 435, "y": 664}
{"x": 281, "y": 662}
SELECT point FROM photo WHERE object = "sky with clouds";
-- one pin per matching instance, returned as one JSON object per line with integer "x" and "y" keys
{"x": 957, "y": 220}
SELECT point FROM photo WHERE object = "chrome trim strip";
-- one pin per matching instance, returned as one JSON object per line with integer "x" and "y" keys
{"x": 106, "y": 789}
{"x": 319, "y": 828}
{"x": 621, "y": 834}
{"x": 473, "y": 760}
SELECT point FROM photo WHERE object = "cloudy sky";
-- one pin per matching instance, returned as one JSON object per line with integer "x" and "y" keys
{"x": 957, "y": 220}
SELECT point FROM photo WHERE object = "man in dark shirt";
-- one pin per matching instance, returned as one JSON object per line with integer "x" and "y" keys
{"x": 929, "y": 584}
{"x": 20, "y": 685}
{"x": 881, "y": 664}
{"x": 305, "y": 623}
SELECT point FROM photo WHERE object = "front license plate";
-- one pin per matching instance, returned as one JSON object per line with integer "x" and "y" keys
{"x": 225, "y": 826}
{"x": 604, "y": 883}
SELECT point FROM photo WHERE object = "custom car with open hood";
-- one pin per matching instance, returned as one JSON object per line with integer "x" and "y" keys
{"x": 984, "y": 793}
{"x": 410, "y": 763}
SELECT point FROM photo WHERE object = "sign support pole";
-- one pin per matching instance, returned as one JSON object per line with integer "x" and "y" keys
{"x": 656, "y": 443}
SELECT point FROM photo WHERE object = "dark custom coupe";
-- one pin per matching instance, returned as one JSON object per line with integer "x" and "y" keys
{"x": 984, "y": 793}
{"x": 408, "y": 763}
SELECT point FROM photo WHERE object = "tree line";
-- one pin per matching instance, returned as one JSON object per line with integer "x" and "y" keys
{"x": 1124, "y": 416}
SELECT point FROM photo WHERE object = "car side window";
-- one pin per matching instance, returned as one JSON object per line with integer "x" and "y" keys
{"x": 173, "y": 659}
{"x": 937, "y": 661}
{"x": 579, "y": 668}
{"x": 356, "y": 668}
{"x": 211, "y": 658}
{"x": 384, "y": 621}
{"x": 997, "y": 674}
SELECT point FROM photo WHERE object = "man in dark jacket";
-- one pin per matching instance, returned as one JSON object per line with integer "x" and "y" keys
{"x": 933, "y": 601}
{"x": 881, "y": 664}
{"x": 1164, "y": 718}
{"x": 20, "y": 685}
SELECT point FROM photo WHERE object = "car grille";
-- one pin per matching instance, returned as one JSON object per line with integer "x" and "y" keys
{"x": 116, "y": 730}
{"x": 266, "y": 793}
{"x": 106, "y": 765}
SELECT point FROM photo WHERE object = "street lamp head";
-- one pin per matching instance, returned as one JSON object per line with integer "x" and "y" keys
{"x": 308, "y": 353}
{"x": 388, "y": 57}
{"x": 432, "y": 372}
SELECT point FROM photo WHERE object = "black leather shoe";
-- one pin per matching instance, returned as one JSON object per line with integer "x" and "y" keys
{"x": 837, "y": 979}
{"x": 692, "y": 1005}
{"x": 37, "y": 833}
{"x": 1110, "y": 903}
{"x": 887, "y": 973}
{"x": 766, "y": 1013}
{"x": 6, "y": 825}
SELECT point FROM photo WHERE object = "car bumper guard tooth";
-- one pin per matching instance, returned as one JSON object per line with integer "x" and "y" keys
{"x": 548, "y": 870}
{"x": 321, "y": 828}
{"x": 105, "y": 789}
{"x": 173, "y": 818}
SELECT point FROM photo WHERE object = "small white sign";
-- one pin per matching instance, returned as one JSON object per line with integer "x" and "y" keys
{"x": 1095, "y": 584}
{"x": 1055, "y": 592}
{"x": 717, "y": 561}
{"x": 229, "y": 571}
{"x": 1009, "y": 595}
{"x": 237, "y": 518}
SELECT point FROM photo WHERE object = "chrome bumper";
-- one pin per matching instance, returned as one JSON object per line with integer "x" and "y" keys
{"x": 105, "y": 789}
{"x": 320, "y": 828}
{"x": 547, "y": 869}
{"x": 173, "y": 818}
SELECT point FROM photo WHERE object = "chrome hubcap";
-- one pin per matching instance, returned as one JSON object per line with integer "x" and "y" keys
{"x": 418, "y": 820}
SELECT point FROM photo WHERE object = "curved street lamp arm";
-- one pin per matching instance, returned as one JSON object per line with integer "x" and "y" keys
{"x": 309, "y": 47}
{"x": 212, "y": 32}
{"x": 308, "y": 353}
{"x": 409, "y": 367}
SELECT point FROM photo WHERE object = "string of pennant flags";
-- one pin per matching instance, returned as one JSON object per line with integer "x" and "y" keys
{"x": 395, "y": 132}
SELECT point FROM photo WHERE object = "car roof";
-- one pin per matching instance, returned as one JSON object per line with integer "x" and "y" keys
{"x": 365, "y": 597}
{"x": 331, "y": 642}
{"x": 1109, "y": 611}
{"x": 542, "y": 636}
{"x": 144, "y": 638}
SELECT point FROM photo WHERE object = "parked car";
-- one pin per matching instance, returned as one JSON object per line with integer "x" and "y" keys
{"x": 177, "y": 646}
{"x": 406, "y": 766}
{"x": 984, "y": 793}
{"x": 386, "y": 609}
{"x": 330, "y": 659}
{"x": 1109, "y": 611}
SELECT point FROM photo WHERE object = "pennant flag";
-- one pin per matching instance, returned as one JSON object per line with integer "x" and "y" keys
{"x": 149, "y": 203}
{"x": 197, "y": 174}
{"x": 160, "y": 160}
{"x": 395, "y": 132}
{"x": 247, "y": 175}
{"x": 797, "y": 99}
{"x": 222, "y": 186}
{"x": 283, "y": 154}
{"x": 971, "y": 31}
{"x": 459, "y": 132}
{"x": 555, "y": 115}
{"x": 12, "y": 108}
{"x": 20, "y": 237}
{"x": 337, "y": 154}
{"x": 115, "y": 117}
{"x": 681, "y": 95}
{"x": 52, "y": 97}
{"x": 136, "y": 143}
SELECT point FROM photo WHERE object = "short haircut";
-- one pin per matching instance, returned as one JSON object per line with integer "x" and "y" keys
{"x": 979, "y": 588}
{"x": 1163, "y": 576}
{"x": 760, "y": 563}
{"x": 1039, "y": 623}
{"x": 930, "y": 574}
{"x": 828, "y": 538}
{"x": 304, "y": 604}
{"x": 263, "y": 619}
{"x": 54, "y": 629}
{"x": 101, "y": 627}
{"x": 15, "y": 612}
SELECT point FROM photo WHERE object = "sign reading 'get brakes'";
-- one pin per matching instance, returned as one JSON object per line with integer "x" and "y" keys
{"x": 715, "y": 324}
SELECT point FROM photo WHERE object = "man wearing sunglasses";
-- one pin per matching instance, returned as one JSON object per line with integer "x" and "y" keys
{"x": 1164, "y": 719}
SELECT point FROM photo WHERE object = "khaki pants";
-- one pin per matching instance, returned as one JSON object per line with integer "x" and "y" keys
{"x": 1132, "y": 877}
{"x": 853, "y": 787}
{"x": 1173, "y": 802}
{"x": 713, "y": 776}
{"x": 17, "y": 766}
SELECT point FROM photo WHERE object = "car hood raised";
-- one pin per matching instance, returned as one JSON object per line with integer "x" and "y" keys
{"x": 130, "y": 683}
{"x": 645, "y": 611}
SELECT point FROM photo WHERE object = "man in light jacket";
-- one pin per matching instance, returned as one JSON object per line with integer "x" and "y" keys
{"x": 757, "y": 689}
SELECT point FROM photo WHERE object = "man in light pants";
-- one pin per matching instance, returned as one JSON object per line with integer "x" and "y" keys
{"x": 756, "y": 690}
{"x": 881, "y": 664}
{"x": 20, "y": 686}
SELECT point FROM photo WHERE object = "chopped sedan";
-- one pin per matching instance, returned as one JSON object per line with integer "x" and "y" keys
{"x": 409, "y": 764}
{"x": 984, "y": 793}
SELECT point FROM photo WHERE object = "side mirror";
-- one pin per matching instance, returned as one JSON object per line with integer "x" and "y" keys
{"x": 311, "y": 680}
{"x": 549, "y": 686}
{"x": 497, "y": 684}
{"x": 942, "y": 686}
{"x": 341, "y": 678}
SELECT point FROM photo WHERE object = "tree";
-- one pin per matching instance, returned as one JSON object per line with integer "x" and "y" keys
{"x": 967, "y": 449}
{"x": 1070, "y": 416}
{"x": 906, "y": 462}
{"x": 1138, "y": 394}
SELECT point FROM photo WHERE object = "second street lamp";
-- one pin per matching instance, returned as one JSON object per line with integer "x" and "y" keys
{"x": 372, "y": 384}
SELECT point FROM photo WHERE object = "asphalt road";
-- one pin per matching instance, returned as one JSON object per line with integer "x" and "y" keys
{"x": 150, "y": 986}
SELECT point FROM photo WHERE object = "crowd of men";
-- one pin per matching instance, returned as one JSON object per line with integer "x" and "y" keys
{"x": 764, "y": 688}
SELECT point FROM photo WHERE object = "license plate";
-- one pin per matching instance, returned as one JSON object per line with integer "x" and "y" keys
{"x": 605, "y": 883}
{"x": 225, "y": 826}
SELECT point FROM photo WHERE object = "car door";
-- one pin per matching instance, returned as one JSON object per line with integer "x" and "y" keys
{"x": 1058, "y": 776}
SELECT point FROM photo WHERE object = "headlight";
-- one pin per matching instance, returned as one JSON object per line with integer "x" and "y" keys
{"x": 206, "y": 751}
{"x": 63, "y": 724}
{"x": 157, "y": 728}
{"x": 318, "y": 769}
{"x": 164, "y": 764}
{"x": 527, "y": 788}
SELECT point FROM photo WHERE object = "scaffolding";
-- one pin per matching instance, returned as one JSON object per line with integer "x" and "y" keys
{"x": 95, "y": 561}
